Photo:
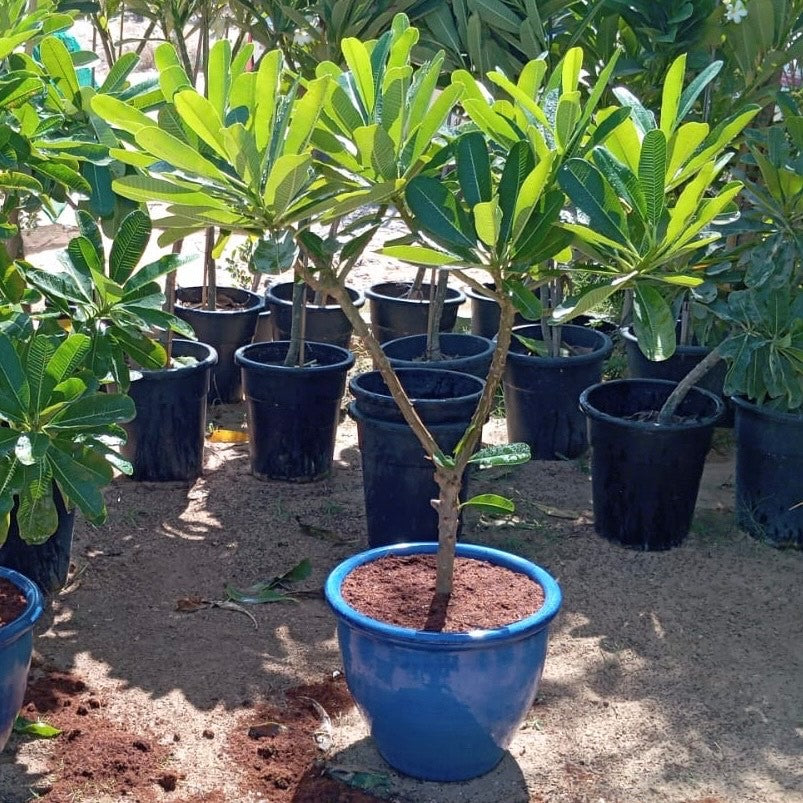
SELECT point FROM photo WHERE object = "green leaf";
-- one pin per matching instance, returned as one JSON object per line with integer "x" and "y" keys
{"x": 15, "y": 393}
{"x": 652, "y": 171}
{"x": 518, "y": 165}
{"x": 359, "y": 63}
{"x": 38, "y": 728}
{"x": 306, "y": 111}
{"x": 526, "y": 301}
{"x": 119, "y": 114}
{"x": 172, "y": 77}
{"x": 533, "y": 345}
{"x": 473, "y": 168}
{"x": 653, "y": 323}
{"x": 508, "y": 454}
{"x": 290, "y": 173}
{"x": 118, "y": 73}
{"x": 435, "y": 209}
{"x": 434, "y": 119}
{"x": 566, "y": 118}
{"x": 56, "y": 59}
{"x": 488, "y": 221}
{"x": 219, "y": 74}
{"x": 177, "y": 153}
{"x": 97, "y": 410}
{"x": 670, "y": 98}
{"x": 79, "y": 484}
{"x": 586, "y": 188}
{"x": 695, "y": 88}
{"x": 37, "y": 516}
{"x": 420, "y": 255}
{"x": 202, "y": 118}
{"x": 376, "y": 151}
{"x": 589, "y": 300}
{"x": 623, "y": 181}
{"x": 491, "y": 503}
{"x": 129, "y": 245}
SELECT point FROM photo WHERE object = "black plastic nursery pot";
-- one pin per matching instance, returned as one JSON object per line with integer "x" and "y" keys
{"x": 293, "y": 412}
{"x": 394, "y": 315}
{"x": 769, "y": 473}
{"x": 264, "y": 329}
{"x": 676, "y": 367}
{"x": 166, "y": 439}
{"x": 46, "y": 564}
{"x": 469, "y": 354}
{"x": 485, "y": 314}
{"x": 541, "y": 393}
{"x": 398, "y": 481}
{"x": 324, "y": 323}
{"x": 225, "y": 330}
{"x": 645, "y": 477}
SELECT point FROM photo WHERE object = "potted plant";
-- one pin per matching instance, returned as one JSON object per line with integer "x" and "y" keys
{"x": 435, "y": 721}
{"x": 55, "y": 447}
{"x": 119, "y": 304}
{"x": 764, "y": 352}
{"x": 381, "y": 128}
{"x": 240, "y": 159}
{"x": 20, "y": 608}
{"x": 647, "y": 215}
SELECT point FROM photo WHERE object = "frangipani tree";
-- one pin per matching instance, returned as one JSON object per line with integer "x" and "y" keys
{"x": 647, "y": 198}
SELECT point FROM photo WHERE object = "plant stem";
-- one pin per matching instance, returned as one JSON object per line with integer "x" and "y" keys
{"x": 556, "y": 331}
{"x": 170, "y": 302}
{"x": 688, "y": 381}
{"x": 437, "y": 299}
{"x": 209, "y": 270}
{"x": 448, "y": 478}
{"x": 296, "y": 323}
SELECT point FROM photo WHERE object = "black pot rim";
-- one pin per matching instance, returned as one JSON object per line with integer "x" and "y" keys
{"x": 357, "y": 298}
{"x": 401, "y": 372}
{"x": 648, "y": 426}
{"x": 242, "y": 359}
{"x": 691, "y": 351}
{"x": 602, "y": 351}
{"x": 255, "y": 302}
{"x": 473, "y": 294}
{"x": 488, "y": 347}
{"x": 168, "y": 373}
{"x": 780, "y": 416}
{"x": 453, "y": 295}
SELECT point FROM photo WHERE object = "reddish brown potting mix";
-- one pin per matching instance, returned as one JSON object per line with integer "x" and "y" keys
{"x": 12, "y": 602}
{"x": 92, "y": 752}
{"x": 275, "y": 748}
{"x": 400, "y": 590}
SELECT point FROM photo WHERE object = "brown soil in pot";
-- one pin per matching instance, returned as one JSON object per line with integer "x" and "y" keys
{"x": 400, "y": 590}
{"x": 12, "y": 602}
{"x": 223, "y": 302}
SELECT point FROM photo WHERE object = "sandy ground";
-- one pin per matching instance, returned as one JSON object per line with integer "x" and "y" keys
{"x": 671, "y": 677}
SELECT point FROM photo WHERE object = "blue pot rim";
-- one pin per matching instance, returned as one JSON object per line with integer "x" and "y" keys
{"x": 601, "y": 352}
{"x": 357, "y": 298}
{"x": 168, "y": 373}
{"x": 779, "y": 416}
{"x": 453, "y": 295}
{"x": 400, "y": 372}
{"x": 255, "y": 302}
{"x": 474, "y": 639}
{"x": 649, "y": 426}
{"x": 242, "y": 359}
{"x": 33, "y": 609}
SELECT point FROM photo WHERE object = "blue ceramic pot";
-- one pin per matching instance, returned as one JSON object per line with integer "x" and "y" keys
{"x": 16, "y": 644}
{"x": 443, "y": 706}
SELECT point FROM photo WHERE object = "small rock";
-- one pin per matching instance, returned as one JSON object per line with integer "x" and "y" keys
{"x": 82, "y": 710}
{"x": 168, "y": 781}
{"x": 208, "y": 734}
{"x": 143, "y": 746}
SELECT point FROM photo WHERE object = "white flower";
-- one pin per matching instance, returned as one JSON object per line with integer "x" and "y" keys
{"x": 735, "y": 10}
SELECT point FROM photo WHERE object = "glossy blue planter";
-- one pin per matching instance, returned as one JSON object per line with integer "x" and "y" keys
{"x": 16, "y": 645}
{"x": 443, "y": 706}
